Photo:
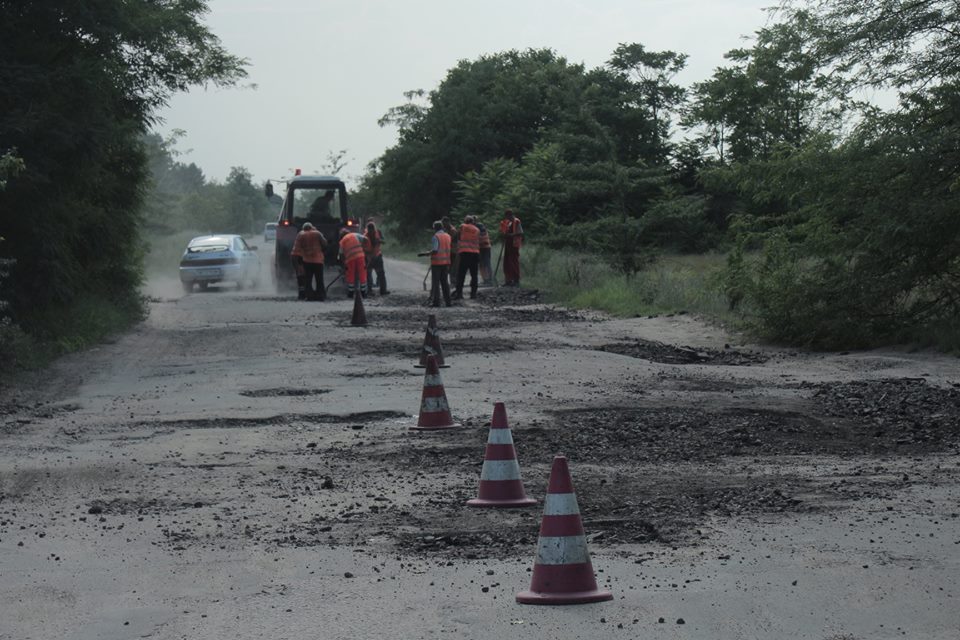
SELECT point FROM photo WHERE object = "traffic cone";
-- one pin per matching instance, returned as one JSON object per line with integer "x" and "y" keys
{"x": 434, "y": 410}
{"x": 359, "y": 318}
{"x": 562, "y": 573}
{"x": 431, "y": 345}
{"x": 500, "y": 483}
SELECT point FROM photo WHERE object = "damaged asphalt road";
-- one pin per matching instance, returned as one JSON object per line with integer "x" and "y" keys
{"x": 240, "y": 466}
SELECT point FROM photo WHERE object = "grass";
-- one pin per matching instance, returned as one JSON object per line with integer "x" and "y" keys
{"x": 671, "y": 284}
{"x": 88, "y": 321}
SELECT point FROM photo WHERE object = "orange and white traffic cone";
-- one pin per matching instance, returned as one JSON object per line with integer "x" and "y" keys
{"x": 562, "y": 572}
{"x": 434, "y": 410}
{"x": 500, "y": 483}
{"x": 431, "y": 345}
{"x": 359, "y": 318}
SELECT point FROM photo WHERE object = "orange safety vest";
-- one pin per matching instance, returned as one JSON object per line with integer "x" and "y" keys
{"x": 506, "y": 227}
{"x": 374, "y": 242}
{"x": 308, "y": 245}
{"x": 351, "y": 246}
{"x": 469, "y": 239}
{"x": 484, "y": 238}
{"x": 442, "y": 256}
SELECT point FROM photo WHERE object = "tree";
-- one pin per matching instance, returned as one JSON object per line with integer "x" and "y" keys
{"x": 495, "y": 107}
{"x": 651, "y": 76}
{"x": 911, "y": 46}
{"x": 79, "y": 85}
{"x": 858, "y": 234}
{"x": 776, "y": 92}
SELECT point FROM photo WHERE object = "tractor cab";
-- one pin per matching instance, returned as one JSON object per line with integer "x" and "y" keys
{"x": 320, "y": 200}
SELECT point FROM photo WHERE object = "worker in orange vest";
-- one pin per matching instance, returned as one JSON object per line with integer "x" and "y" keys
{"x": 511, "y": 231}
{"x": 439, "y": 265}
{"x": 486, "y": 270}
{"x": 469, "y": 252}
{"x": 308, "y": 248}
{"x": 353, "y": 259}
{"x": 375, "y": 258}
{"x": 451, "y": 230}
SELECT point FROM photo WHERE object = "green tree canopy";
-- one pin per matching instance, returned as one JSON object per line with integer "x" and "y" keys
{"x": 79, "y": 84}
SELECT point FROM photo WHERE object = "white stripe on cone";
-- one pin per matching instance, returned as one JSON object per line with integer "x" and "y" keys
{"x": 432, "y": 380}
{"x": 433, "y": 405}
{"x": 500, "y": 470}
{"x": 560, "y": 504}
{"x": 562, "y": 550}
{"x": 500, "y": 436}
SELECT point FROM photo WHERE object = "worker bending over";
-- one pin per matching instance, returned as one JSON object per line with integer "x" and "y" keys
{"x": 307, "y": 253}
{"x": 353, "y": 259}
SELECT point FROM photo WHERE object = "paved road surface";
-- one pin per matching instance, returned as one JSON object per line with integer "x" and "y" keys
{"x": 239, "y": 466}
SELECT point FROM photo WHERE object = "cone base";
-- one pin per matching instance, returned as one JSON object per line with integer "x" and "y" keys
{"x": 440, "y": 428}
{"x": 573, "y": 597}
{"x": 515, "y": 502}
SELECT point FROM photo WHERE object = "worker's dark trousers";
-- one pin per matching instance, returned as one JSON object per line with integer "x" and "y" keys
{"x": 313, "y": 274}
{"x": 376, "y": 266}
{"x": 511, "y": 265}
{"x": 468, "y": 262}
{"x": 440, "y": 279}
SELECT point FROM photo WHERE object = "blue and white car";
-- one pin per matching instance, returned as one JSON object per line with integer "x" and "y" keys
{"x": 221, "y": 258}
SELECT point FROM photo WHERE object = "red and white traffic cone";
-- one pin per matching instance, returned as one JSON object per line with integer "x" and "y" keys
{"x": 431, "y": 345}
{"x": 500, "y": 483}
{"x": 359, "y": 318}
{"x": 434, "y": 410}
{"x": 562, "y": 572}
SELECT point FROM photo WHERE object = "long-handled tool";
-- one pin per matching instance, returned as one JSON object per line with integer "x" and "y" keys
{"x": 425, "y": 276}
{"x": 339, "y": 275}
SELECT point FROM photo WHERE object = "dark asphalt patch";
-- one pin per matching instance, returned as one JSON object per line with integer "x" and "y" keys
{"x": 289, "y": 391}
{"x": 671, "y": 354}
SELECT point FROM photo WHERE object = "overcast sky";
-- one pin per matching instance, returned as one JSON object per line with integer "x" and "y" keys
{"x": 326, "y": 71}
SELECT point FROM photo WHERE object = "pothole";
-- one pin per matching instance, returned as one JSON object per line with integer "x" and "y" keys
{"x": 286, "y": 391}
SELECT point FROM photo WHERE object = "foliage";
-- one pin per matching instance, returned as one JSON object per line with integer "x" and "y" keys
{"x": 79, "y": 84}
{"x": 523, "y": 130}
{"x": 774, "y": 93}
{"x": 667, "y": 284}
{"x": 179, "y": 196}
{"x": 652, "y": 91}
{"x": 868, "y": 247}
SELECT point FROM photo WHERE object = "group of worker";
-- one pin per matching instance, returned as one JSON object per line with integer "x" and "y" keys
{"x": 457, "y": 251}
{"x": 454, "y": 253}
{"x": 361, "y": 255}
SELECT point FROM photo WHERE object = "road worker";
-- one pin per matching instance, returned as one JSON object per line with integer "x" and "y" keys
{"x": 353, "y": 259}
{"x": 439, "y": 265}
{"x": 511, "y": 232}
{"x": 308, "y": 248}
{"x": 486, "y": 270}
{"x": 469, "y": 252}
{"x": 375, "y": 258}
{"x": 451, "y": 230}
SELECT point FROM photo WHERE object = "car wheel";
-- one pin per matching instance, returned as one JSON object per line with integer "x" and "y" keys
{"x": 187, "y": 287}
{"x": 204, "y": 286}
{"x": 240, "y": 285}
